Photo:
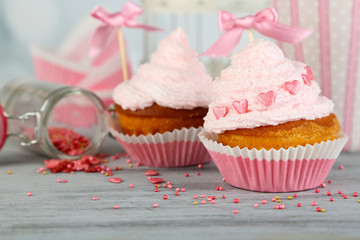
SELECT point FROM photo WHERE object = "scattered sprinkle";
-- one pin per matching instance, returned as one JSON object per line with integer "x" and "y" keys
{"x": 29, "y": 194}
{"x": 236, "y": 200}
{"x": 165, "y": 197}
{"x": 155, "y": 205}
{"x": 95, "y": 198}
{"x": 313, "y": 203}
{"x": 341, "y": 167}
{"x": 235, "y": 211}
{"x": 116, "y": 206}
{"x": 299, "y": 204}
{"x": 256, "y": 205}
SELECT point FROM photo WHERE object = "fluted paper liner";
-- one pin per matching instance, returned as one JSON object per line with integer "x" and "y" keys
{"x": 283, "y": 170}
{"x": 178, "y": 148}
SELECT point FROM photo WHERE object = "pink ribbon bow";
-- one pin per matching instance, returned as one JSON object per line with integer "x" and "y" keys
{"x": 265, "y": 22}
{"x": 123, "y": 18}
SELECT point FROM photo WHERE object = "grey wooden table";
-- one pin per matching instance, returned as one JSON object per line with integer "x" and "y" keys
{"x": 68, "y": 211}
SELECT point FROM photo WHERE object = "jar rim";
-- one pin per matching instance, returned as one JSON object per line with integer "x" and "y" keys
{"x": 46, "y": 110}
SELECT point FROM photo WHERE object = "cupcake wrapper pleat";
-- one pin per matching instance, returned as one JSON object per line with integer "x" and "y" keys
{"x": 178, "y": 148}
{"x": 283, "y": 170}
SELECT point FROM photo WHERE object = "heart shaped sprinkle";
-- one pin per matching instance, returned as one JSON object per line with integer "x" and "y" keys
{"x": 309, "y": 73}
{"x": 151, "y": 172}
{"x": 306, "y": 79}
{"x": 267, "y": 99}
{"x": 115, "y": 180}
{"x": 293, "y": 87}
{"x": 220, "y": 112}
{"x": 156, "y": 180}
{"x": 241, "y": 106}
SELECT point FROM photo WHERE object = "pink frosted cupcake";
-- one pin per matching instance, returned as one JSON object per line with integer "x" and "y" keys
{"x": 161, "y": 109}
{"x": 268, "y": 129}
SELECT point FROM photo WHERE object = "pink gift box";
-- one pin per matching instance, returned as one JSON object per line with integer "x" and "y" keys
{"x": 70, "y": 65}
{"x": 332, "y": 52}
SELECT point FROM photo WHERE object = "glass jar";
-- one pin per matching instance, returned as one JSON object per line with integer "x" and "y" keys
{"x": 57, "y": 120}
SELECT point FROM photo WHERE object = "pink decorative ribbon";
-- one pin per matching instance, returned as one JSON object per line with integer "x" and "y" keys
{"x": 265, "y": 22}
{"x": 123, "y": 18}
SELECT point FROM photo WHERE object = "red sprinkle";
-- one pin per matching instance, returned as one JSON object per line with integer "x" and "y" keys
{"x": 323, "y": 185}
{"x": 155, "y": 205}
{"x": 313, "y": 203}
{"x": 95, "y": 198}
{"x": 277, "y": 206}
{"x": 263, "y": 201}
{"x": 339, "y": 192}
{"x": 236, "y": 200}
{"x": 29, "y": 194}
{"x": 186, "y": 174}
{"x": 299, "y": 204}
{"x": 331, "y": 199}
{"x": 317, "y": 190}
{"x": 355, "y": 194}
{"x": 256, "y": 205}
{"x": 318, "y": 209}
{"x": 203, "y": 201}
{"x": 151, "y": 172}
{"x": 116, "y": 206}
{"x": 59, "y": 180}
{"x": 328, "y": 193}
{"x": 345, "y": 196}
{"x": 281, "y": 206}
{"x": 165, "y": 197}
{"x": 65, "y": 181}
{"x": 183, "y": 189}
{"x": 156, "y": 190}
{"x": 213, "y": 201}
{"x": 199, "y": 165}
{"x": 295, "y": 195}
{"x": 195, "y": 196}
{"x": 223, "y": 196}
{"x": 273, "y": 199}
{"x": 221, "y": 188}
{"x": 115, "y": 180}
{"x": 202, "y": 195}
{"x": 223, "y": 179}
{"x": 177, "y": 189}
{"x": 131, "y": 185}
{"x": 217, "y": 188}
{"x": 235, "y": 211}
{"x": 176, "y": 193}
{"x": 329, "y": 181}
{"x": 198, "y": 173}
{"x": 68, "y": 141}
{"x": 341, "y": 167}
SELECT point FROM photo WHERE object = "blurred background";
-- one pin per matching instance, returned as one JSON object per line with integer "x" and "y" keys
{"x": 47, "y": 23}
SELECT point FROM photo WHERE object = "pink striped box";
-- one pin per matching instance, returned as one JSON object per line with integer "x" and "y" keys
{"x": 70, "y": 65}
{"x": 332, "y": 52}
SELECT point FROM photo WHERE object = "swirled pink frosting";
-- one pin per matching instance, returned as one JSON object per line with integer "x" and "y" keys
{"x": 174, "y": 78}
{"x": 256, "y": 70}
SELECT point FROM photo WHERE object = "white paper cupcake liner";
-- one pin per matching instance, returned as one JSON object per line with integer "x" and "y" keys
{"x": 178, "y": 148}
{"x": 283, "y": 170}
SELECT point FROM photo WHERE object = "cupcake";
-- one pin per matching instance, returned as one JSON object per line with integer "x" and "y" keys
{"x": 161, "y": 109}
{"x": 268, "y": 128}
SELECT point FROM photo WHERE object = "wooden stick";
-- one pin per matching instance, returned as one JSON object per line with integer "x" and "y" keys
{"x": 251, "y": 35}
{"x": 122, "y": 54}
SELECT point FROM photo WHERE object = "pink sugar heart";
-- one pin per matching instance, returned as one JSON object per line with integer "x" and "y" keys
{"x": 115, "y": 180}
{"x": 267, "y": 98}
{"x": 220, "y": 112}
{"x": 306, "y": 79}
{"x": 151, "y": 172}
{"x": 156, "y": 180}
{"x": 293, "y": 87}
{"x": 309, "y": 73}
{"x": 241, "y": 106}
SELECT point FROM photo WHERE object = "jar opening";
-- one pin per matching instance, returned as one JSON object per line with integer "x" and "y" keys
{"x": 75, "y": 123}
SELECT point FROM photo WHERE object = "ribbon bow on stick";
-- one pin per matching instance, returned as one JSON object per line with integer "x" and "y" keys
{"x": 265, "y": 22}
{"x": 124, "y": 18}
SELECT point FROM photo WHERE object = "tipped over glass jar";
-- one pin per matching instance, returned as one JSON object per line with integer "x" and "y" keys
{"x": 60, "y": 121}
